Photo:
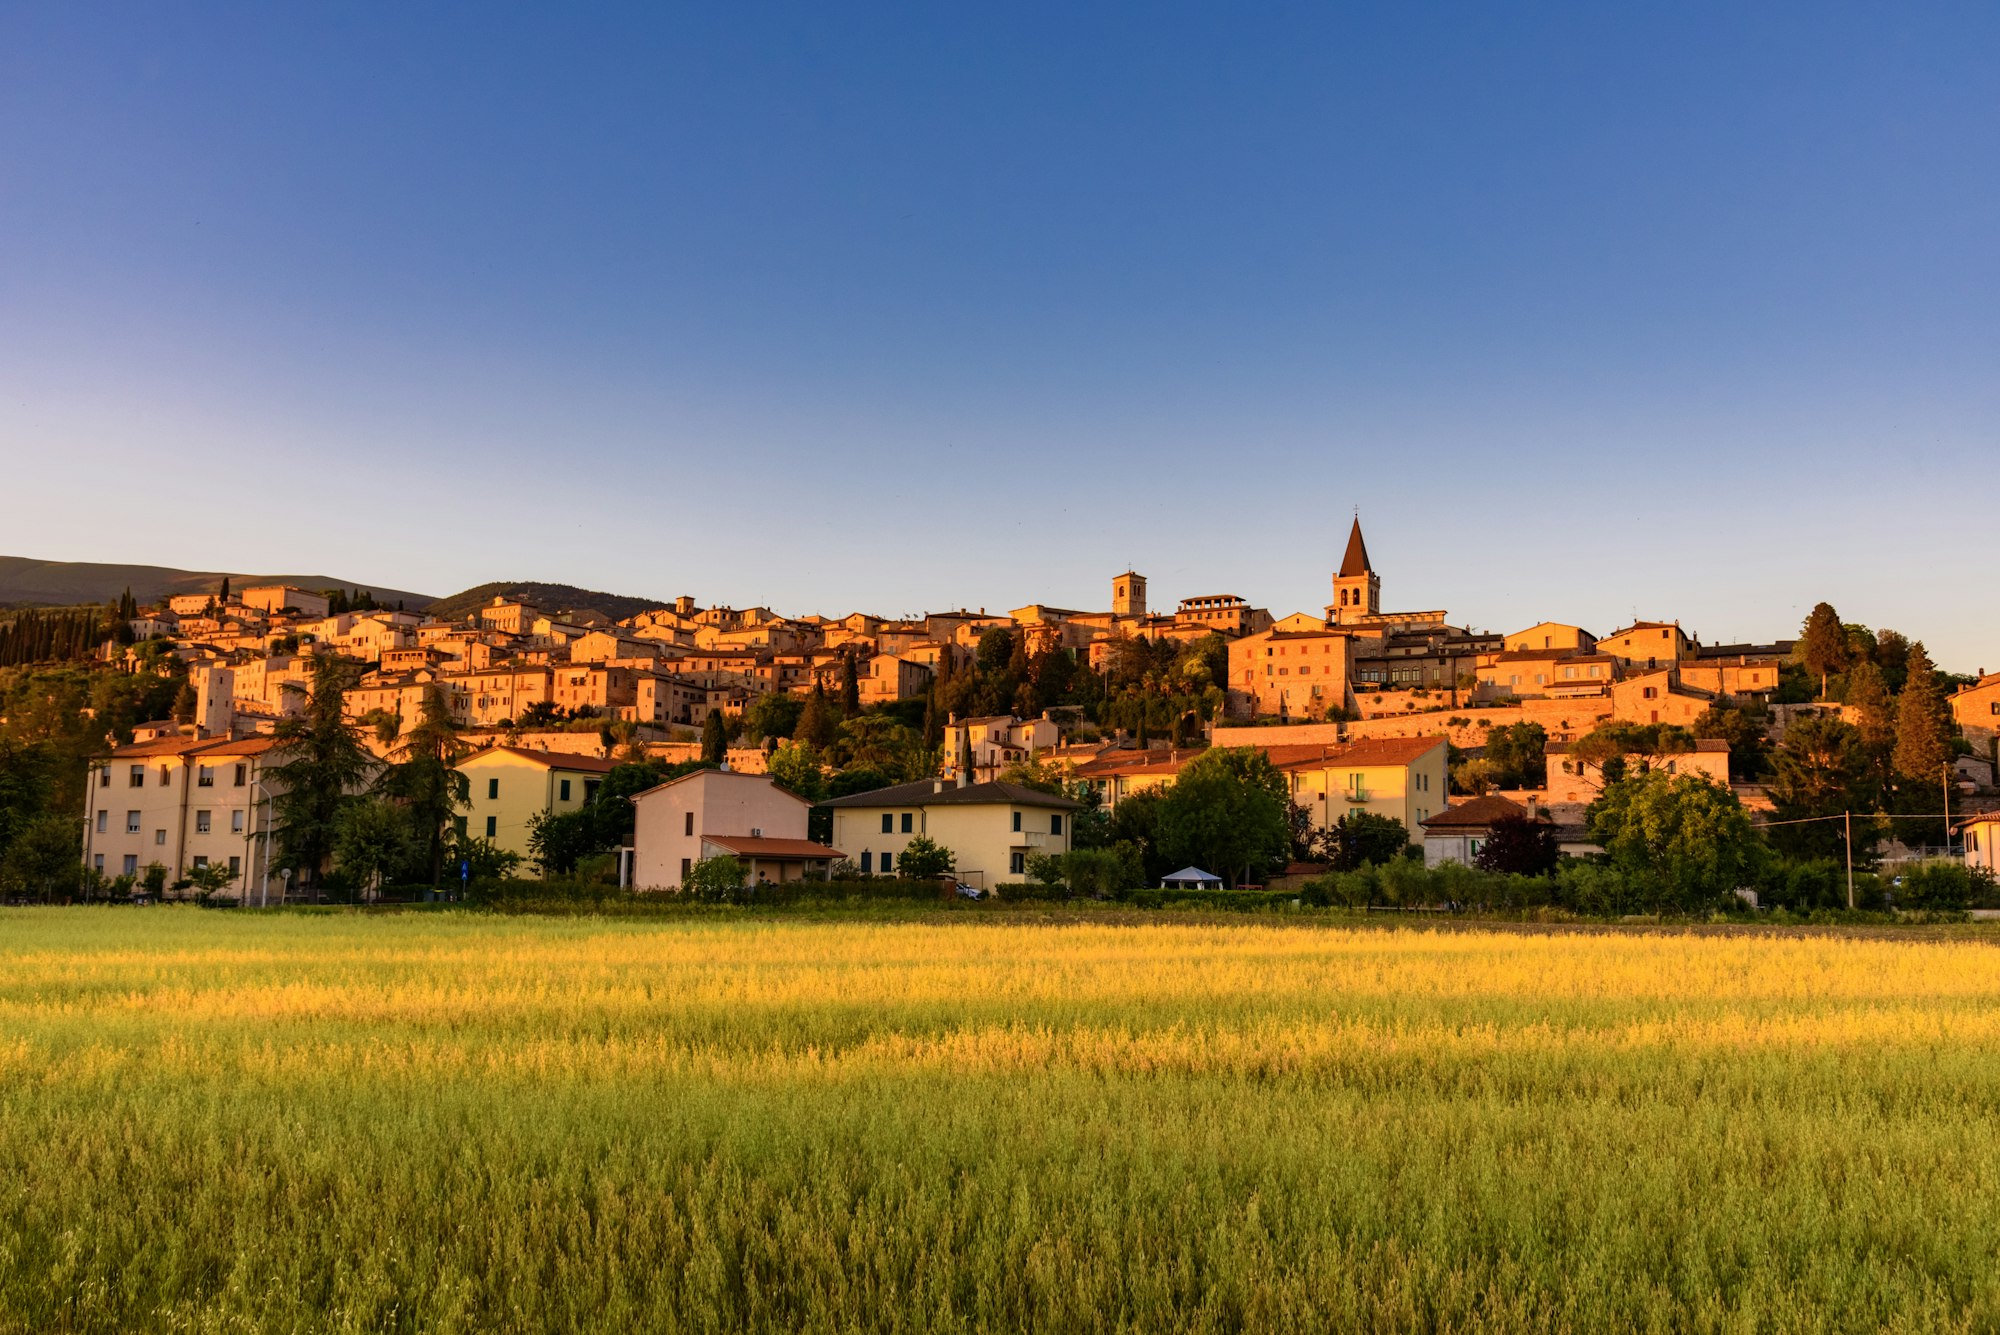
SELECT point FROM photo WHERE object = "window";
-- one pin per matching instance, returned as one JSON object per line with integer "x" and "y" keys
{"x": 235, "y": 866}
{"x": 1055, "y": 824}
{"x": 908, "y": 817}
{"x": 138, "y": 776}
{"x": 103, "y": 818}
{"x": 97, "y": 862}
{"x": 200, "y": 861}
{"x": 687, "y": 825}
{"x": 201, "y": 822}
{"x": 166, "y": 777}
{"x": 492, "y": 826}
{"x": 131, "y": 864}
{"x": 562, "y": 790}
{"x": 492, "y": 790}
{"x": 236, "y": 822}
{"x": 1017, "y": 822}
{"x": 205, "y": 776}
{"x": 104, "y": 777}
{"x": 159, "y": 836}
{"x": 888, "y": 860}
{"x": 888, "y": 823}
{"x": 589, "y": 789}
{"x": 131, "y": 822}
{"x": 242, "y": 775}
{"x": 687, "y": 865}
{"x": 867, "y": 861}
{"x": 1017, "y": 863}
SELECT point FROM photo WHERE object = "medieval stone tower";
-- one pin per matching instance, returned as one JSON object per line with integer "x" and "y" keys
{"x": 1128, "y": 595}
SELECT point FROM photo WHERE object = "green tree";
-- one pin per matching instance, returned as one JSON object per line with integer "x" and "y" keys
{"x": 425, "y": 779}
{"x": 797, "y": 768}
{"x": 43, "y": 859}
{"x": 1519, "y": 846}
{"x": 482, "y": 859}
{"x": 1892, "y": 657}
{"x": 1749, "y": 748}
{"x": 996, "y": 650}
{"x": 924, "y": 860}
{"x": 1923, "y": 723}
{"x": 1361, "y": 839}
{"x": 772, "y": 715}
{"x": 1516, "y": 756}
{"x": 850, "y": 686}
{"x": 1228, "y": 812}
{"x": 320, "y": 766}
{"x": 714, "y": 738}
{"x": 558, "y": 841}
{"x": 1823, "y": 770}
{"x": 1875, "y": 710}
{"x": 1823, "y": 647}
{"x": 817, "y": 727}
{"x": 209, "y": 878}
{"x": 1688, "y": 839}
{"x": 374, "y": 842}
{"x": 716, "y": 878}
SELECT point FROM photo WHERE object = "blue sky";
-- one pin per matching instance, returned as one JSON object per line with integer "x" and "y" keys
{"x": 1594, "y": 311}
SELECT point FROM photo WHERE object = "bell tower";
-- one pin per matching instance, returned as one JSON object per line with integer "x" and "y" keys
{"x": 1357, "y": 589}
{"x": 1128, "y": 595}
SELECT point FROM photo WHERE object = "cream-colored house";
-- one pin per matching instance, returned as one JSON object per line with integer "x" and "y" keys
{"x": 1981, "y": 834}
{"x": 1457, "y": 833}
{"x": 183, "y": 803}
{"x": 1551, "y": 635}
{"x": 285, "y": 598}
{"x": 1407, "y": 779}
{"x": 989, "y": 828}
{"x": 982, "y": 747}
{"x": 1571, "y": 778}
{"x": 1976, "y": 710}
{"x": 713, "y": 812}
{"x": 1648, "y": 644}
{"x": 507, "y": 787}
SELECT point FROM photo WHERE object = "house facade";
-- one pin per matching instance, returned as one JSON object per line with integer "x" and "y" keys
{"x": 989, "y": 828}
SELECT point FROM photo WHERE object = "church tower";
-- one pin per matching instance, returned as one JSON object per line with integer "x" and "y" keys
{"x": 1357, "y": 589}
{"x": 1128, "y": 595}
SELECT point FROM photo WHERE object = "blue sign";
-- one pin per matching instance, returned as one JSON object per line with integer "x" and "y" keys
{"x": 464, "y": 869}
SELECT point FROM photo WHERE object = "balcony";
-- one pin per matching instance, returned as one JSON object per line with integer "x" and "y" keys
{"x": 1029, "y": 839}
{"x": 1357, "y": 796}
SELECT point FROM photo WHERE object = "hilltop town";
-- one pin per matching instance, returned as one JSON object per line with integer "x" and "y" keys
{"x": 1395, "y": 715}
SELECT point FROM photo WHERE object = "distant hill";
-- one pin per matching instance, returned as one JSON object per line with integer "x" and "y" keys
{"x": 548, "y": 597}
{"x": 29, "y": 583}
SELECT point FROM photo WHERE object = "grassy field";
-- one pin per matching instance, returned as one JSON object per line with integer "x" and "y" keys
{"x": 229, "y": 1122}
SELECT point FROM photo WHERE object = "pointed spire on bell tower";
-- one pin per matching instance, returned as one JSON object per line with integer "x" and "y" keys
{"x": 1357, "y": 589}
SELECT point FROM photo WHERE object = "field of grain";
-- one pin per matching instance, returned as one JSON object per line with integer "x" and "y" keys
{"x": 450, "y": 1122}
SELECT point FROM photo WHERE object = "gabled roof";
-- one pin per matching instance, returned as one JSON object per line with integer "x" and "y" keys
{"x": 692, "y": 775}
{"x": 568, "y": 760}
{"x": 1478, "y": 813}
{"x": 755, "y": 846}
{"x": 925, "y": 793}
{"x": 1355, "y": 562}
{"x": 1366, "y": 752}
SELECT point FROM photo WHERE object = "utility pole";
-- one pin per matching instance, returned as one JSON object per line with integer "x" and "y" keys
{"x": 1947, "y": 807}
{"x": 1847, "y": 823}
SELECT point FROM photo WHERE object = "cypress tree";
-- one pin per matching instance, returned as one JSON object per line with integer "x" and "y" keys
{"x": 1822, "y": 645}
{"x": 1923, "y": 722}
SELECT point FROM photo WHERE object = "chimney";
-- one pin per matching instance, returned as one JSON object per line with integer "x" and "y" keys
{"x": 963, "y": 780}
{"x": 937, "y": 785}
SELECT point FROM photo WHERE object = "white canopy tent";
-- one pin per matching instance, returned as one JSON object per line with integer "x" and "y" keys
{"x": 1191, "y": 878}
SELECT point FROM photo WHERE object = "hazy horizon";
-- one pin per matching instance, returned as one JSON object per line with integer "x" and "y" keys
{"x": 1594, "y": 314}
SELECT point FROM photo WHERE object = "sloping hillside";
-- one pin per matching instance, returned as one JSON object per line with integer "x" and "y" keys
{"x": 549, "y": 597}
{"x": 25, "y": 582}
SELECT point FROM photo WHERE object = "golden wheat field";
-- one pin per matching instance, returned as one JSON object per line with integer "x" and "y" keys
{"x": 455, "y": 1122}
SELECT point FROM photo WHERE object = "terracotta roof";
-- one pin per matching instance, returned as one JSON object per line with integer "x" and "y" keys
{"x": 1476, "y": 813}
{"x": 720, "y": 773}
{"x": 159, "y": 746}
{"x": 568, "y": 760}
{"x": 757, "y": 847}
{"x": 1365, "y": 752}
{"x": 925, "y": 793}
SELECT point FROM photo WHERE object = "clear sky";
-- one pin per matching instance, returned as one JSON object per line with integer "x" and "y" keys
{"x": 1593, "y": 310}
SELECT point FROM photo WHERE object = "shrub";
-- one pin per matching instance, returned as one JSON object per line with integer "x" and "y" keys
{"x": 924, "y": 860}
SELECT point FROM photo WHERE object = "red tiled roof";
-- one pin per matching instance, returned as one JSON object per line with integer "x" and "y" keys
{"x": 755, "y": 847}
{"x": 553, "y": 759}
